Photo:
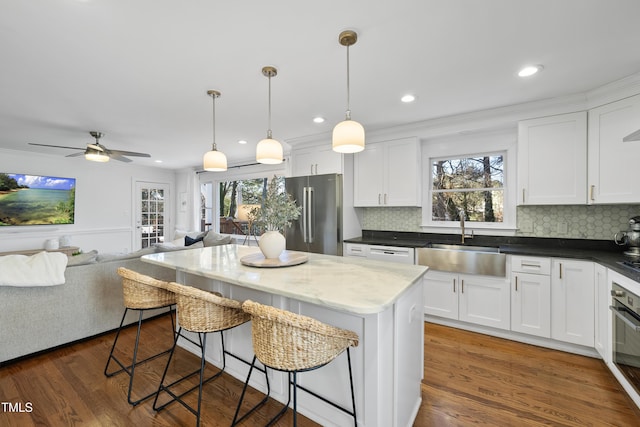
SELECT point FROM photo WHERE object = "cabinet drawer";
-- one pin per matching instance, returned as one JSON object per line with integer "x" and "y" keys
{"x": 355, "y": 249}
{"x": 532, "y": 265}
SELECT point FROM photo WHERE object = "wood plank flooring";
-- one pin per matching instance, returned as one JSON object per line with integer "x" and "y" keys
{"x": 470, "y": 379}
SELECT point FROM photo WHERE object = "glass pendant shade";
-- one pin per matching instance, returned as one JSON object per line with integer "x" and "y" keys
{"x": 348, "y": 137}
{"x": 269, "y": 151}
{"x": 96, "y": 155}
{"x": 214, "y": 161}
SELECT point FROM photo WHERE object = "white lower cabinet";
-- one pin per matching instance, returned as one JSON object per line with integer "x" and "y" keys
{"x": 531, "y": 304}
{"x": 572, "y": 301}
{"x": 544, "y": 297}
{"x": 602, "y": 335}
{"x": 482, "y": 300}
{"x": 441, "y": 294}
{"x": 531, "y": 295}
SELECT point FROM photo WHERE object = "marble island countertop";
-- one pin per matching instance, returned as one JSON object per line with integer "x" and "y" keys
{"x": 349, "y": 284}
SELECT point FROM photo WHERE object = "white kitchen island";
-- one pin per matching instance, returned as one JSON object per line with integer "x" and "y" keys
{"x": 380, "y": 301}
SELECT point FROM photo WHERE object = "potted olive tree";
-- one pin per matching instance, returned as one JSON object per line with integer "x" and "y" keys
{"x": 277, "y": 211}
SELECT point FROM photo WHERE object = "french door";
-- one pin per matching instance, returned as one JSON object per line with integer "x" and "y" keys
{"x": 152, "y": 213}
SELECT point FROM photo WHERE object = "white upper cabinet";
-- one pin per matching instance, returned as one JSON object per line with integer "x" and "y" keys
{"x": 388, "y": 174}
{"x": 318, "y": 160}
{"x": 613, "y": 164}
{"x": 552, "y": 160}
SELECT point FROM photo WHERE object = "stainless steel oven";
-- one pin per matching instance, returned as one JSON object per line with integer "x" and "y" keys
{"x": 626, "y": 333}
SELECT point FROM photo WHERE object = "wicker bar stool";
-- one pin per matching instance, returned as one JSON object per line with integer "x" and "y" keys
{"x": 140, "y": 293}
{"x": 201, "y": 312}
{"x": 293, "y": 343}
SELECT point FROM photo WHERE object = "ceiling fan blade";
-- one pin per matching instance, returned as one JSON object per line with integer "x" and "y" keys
{"x": 55, "y": 146}
{"x": 129, "y": 153}
{"x": 75, "y": 155}
{"x": 97, "y": 147}
{"x": 119, "y": 158}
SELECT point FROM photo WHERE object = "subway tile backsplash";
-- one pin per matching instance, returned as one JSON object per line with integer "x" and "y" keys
{"x": 598, "y": 222}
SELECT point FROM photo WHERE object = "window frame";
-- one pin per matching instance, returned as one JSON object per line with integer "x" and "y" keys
{"x": 464, "y": 146}
{"x": 252, "y": 171}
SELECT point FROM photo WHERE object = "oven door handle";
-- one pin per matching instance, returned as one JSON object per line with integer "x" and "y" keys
{"x": 616, "y": 312}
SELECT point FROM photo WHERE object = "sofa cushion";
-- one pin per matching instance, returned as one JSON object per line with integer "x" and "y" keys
{"x": 188, "y": 241}
{"x": 214, "y": 239}
{"x": 168, "y": 247}
{"x": 121, "y": 256}
{"x": 83, "y": 258}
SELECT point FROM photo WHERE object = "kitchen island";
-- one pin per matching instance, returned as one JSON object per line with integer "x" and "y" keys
{"x": 380, "y": 301}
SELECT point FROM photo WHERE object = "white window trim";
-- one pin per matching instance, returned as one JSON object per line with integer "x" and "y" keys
{"x": 461, "y": 146}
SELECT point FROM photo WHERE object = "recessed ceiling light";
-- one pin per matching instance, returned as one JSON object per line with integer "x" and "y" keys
{"x": 530, "y": 70}
{"x": 318, "y": 119}
{"x": 158, "y": 161}
{"x": 408, "y": 98}
{"x": 242, "y": 141}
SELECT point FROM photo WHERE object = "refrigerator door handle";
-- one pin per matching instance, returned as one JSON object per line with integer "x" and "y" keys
{"x": 310, "y": 222}
{"x": 304, "y": 214}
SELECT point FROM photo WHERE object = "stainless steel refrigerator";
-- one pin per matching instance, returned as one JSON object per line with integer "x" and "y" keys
{"x": 319, "y": 227}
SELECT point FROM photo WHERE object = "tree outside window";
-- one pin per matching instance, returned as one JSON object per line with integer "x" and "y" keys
{"x": 471, "y": 186}
{"x": 235, "y": 197}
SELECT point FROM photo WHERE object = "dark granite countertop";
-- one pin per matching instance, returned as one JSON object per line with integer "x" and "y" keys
{"x": 606, "y": 253}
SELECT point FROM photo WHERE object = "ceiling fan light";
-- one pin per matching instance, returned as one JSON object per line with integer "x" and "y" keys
{"x": 348, "y": 137}
{"x": 96, "y": 155}
{"x": 214, "y": 161}
{"x": 269, "y": 151}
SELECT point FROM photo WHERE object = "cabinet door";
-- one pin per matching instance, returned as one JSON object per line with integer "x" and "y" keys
{"x": 441, "y": 294}
{"x": 402, "y": 180}
{"x": 602, "y": 313}
{"x": 388, "y": 174}
{"x": 485, "y": 300}
{"x": 612, "y": 162}
{"x": 572, "y": 301}
{"x": 552, "y": 160}
{"x": 316, "y": 161}
{"x": 531, "y": 304}
{"x": 368, "y": 167}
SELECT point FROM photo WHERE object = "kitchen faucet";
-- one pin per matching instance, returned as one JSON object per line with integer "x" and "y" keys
{"x": 462, "y": 233}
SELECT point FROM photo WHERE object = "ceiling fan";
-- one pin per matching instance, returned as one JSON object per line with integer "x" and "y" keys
{"x": 98, "y": 152}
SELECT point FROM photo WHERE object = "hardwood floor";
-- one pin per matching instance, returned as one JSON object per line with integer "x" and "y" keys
{"x": 474, "y": 379}
{"x": 470, "y": 379}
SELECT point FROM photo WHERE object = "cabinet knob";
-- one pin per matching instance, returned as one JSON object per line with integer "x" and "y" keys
{"x": 617, "y": 293}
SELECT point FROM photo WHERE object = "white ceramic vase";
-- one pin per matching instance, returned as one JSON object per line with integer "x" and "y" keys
{"x": 272, "y": 244}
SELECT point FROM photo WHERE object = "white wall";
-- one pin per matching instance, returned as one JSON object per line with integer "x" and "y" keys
{"x": 104, "y": 201}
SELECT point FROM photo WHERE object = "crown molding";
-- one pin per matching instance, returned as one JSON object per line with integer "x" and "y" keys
{"x": 614, "y": 91}
{"x": 494, "y": 119}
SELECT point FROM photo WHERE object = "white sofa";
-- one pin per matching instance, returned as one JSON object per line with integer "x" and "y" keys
{"x": 90, "y": 302}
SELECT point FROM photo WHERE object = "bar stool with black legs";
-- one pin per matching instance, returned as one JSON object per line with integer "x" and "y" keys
{"x": 140, "y": 293}
{"x": 293, "y": 343}
{"x": 201, "y": 312}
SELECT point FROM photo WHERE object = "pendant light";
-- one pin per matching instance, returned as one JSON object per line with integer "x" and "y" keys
{"x": 348, "y": 135}
{"x": 214, "y": 160}
{"x": 269, "y": 150}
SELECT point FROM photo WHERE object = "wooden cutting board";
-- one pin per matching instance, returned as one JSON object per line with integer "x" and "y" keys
{"x": 286, "y": 259}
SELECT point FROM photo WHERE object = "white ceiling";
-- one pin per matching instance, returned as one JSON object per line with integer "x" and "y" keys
{"x": 139, "y": 70}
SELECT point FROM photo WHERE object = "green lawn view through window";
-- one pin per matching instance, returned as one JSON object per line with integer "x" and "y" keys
{"x": 473, "y": 186}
